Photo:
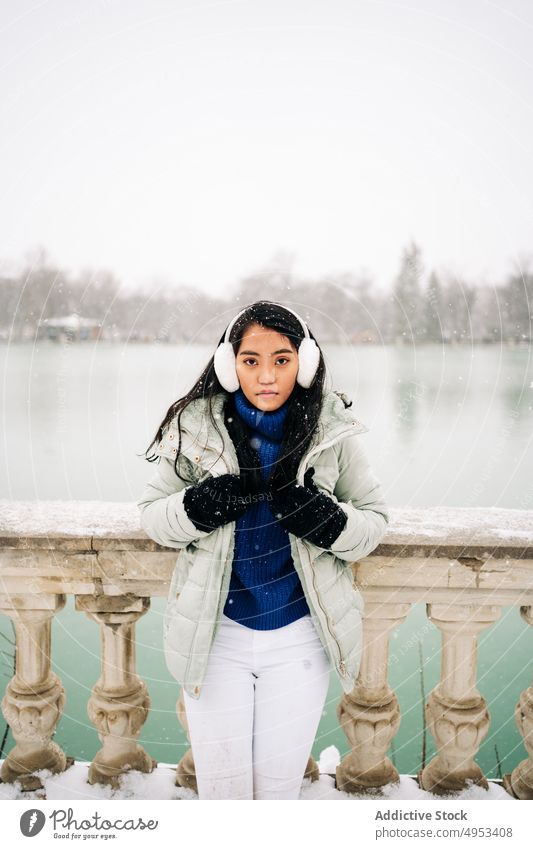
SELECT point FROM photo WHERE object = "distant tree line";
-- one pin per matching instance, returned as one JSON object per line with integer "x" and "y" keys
{"x": 418, "y": 307}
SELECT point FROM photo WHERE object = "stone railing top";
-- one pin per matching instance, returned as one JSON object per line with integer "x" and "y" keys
{"x": 420, "y": 531}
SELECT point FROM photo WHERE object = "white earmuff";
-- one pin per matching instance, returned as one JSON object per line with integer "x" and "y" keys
{"x": 308, "y": 357}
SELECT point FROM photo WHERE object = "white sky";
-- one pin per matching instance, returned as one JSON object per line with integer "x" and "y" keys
{"x": 192, "y": 141}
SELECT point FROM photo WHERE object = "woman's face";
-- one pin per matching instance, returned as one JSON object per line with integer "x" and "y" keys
{"x": 266, "y": 362}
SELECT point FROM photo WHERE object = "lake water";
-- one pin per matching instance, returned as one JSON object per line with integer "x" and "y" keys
{"x": 447, "y": 426}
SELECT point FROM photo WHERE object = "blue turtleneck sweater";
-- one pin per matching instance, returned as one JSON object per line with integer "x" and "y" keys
{"x": 265, "y": 591}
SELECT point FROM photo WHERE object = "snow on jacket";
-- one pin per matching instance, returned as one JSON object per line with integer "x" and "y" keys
{"x": 200, "y": 581}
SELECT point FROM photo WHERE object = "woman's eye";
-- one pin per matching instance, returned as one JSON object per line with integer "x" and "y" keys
{"x": 249, "y": 360}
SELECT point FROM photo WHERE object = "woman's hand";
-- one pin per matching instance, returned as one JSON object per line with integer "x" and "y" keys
{"x": 215, "y": 501}
{"x": 306, "y": 511}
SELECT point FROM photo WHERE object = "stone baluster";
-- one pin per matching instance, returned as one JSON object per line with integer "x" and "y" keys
{"x": 119, "y": 703}
{"x": 519, "y": 782}
{"x": 34, "y": 698}
{"x": 456, "y": 713}
{"x": 370, "y": 714}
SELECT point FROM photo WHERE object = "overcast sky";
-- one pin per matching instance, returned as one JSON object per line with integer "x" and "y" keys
{"x": 191, "y": 141}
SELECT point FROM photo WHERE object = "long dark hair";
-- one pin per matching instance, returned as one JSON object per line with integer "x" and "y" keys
{"x": 304, "y": 405}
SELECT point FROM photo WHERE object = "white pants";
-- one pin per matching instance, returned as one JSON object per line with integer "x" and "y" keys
{"x": 253, "y": 727}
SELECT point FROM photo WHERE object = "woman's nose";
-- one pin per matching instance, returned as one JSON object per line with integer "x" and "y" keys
{"x": 267, "y": 374}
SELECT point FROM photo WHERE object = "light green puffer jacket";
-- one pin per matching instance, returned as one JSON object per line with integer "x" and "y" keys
{"x": 200, "y": 582}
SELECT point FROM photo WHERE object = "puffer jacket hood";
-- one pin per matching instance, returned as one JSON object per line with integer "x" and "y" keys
{"x": 200, "y": 581}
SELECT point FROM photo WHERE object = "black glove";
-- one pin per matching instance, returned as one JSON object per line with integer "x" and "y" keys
{"x": 215, "y": 501}
{"x": 248, "y": 457}
{"x": 306, "y": 511}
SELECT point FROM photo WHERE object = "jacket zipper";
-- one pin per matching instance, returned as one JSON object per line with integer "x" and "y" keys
{"x": 341, "y": 664}
{"x": 198, "y": 687}
{"x": 337, "y": 438}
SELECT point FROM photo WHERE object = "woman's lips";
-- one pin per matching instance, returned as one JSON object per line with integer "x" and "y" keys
{"x": 267, "y": 393}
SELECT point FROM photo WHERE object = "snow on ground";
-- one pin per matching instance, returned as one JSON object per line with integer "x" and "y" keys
{"x": 72, "y": 784}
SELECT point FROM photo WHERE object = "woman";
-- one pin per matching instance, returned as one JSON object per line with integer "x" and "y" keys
{"x": 264, "y": 486}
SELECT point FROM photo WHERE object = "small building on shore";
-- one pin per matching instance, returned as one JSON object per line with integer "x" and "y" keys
{"x": 73, "y": 327}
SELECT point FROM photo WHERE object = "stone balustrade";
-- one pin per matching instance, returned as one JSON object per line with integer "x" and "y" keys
{"x": 464, "y": 564}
